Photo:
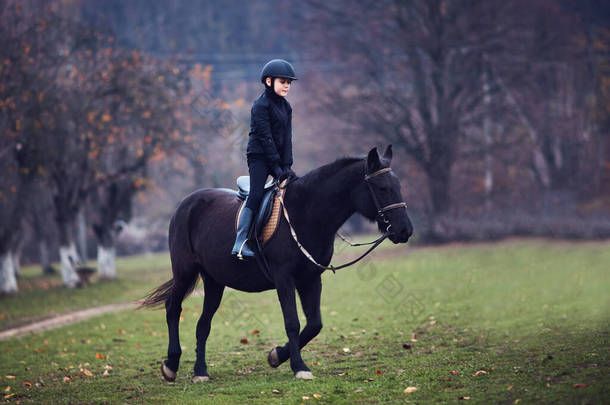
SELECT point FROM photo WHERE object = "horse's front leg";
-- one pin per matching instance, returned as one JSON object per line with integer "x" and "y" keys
{"x": 310, "y": 300}
{"x": 285, "y": 292}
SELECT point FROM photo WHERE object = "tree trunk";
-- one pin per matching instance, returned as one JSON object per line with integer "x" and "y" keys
{"x": 81, "y": 235}
{"x": 106, "y": 266}
{"x": 69, "y": 259}
{"x": 45, "y": 260}
{"x": 17, "y": 263}
{"x": 68, "y": 255}
{"x": 439, "y": 178}
{"x": 8, "y": 281}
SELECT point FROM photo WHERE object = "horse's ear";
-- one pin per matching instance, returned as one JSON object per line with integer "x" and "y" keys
{"x": 388, "y": 153}
{"x": 372, "y": 160}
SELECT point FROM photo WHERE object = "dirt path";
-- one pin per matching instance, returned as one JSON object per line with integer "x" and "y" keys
{"x": 64, "y": 320}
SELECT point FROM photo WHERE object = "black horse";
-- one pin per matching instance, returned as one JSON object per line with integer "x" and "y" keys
{"x": 202, "y": 231}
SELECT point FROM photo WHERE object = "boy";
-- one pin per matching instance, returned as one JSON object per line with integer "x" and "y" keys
{"x": 270, "y": 144}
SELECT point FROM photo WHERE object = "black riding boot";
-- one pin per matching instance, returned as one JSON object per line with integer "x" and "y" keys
{"x": 240, "y": 248}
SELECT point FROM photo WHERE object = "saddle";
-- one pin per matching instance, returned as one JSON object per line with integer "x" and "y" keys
{"x": 268, "y": 215}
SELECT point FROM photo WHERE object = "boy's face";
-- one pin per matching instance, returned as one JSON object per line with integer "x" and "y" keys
{"x": 281, "y": 86}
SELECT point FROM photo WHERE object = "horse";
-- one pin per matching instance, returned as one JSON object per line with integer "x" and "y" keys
{"x": 202, "y": 231}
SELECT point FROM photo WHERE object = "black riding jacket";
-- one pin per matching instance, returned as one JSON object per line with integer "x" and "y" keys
{"x": 271, "y": 130}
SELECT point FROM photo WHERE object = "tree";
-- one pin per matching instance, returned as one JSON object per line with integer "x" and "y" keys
{"x": 421, "y": 79}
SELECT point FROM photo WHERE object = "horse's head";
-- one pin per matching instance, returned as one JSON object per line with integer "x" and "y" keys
{"x": 378, "y": 197}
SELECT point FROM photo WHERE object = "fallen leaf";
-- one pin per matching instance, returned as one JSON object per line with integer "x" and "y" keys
{"x": 315, "y": 363}
{"x": 10, "y": 377}
{"x": 378, "y": 372}
{"x": 137, "y": 346}
{"x": 406, "y": 346}
{"x": 305, "y": 398}
{"x": 41, "y": 350}
{"x": 580, "y": 385}
{"x": 106, "y": 372}
{"x": 256, "y": 332}
{"x": 447, "y": 379}
{"x": 479, "y": 373}
{"x": 510, "y": 387}
{"x": 7, "y": 389}
{"x": 413, "y": 337}
{"x": 275, "y": 391}
{"x": 99, "y": 356}
{"x": 107, "y": 367}
{"x": 121, "y": 332}
{"x": 346, "y": 350}
{"x": 517, "y": 401}
{"x": 26, "y": 384}
{"x": 66, "y": 379}
{"x": 244, "y": 341}
{"x": 455, "y": 372}
{"x": 88, "y": 373}
{"x": 358, "y": 390}
{"x": 317, "y": 396}
{"x": 409, "y": 390}
{"x": 466, "y": 398}
{"x": 9, "y": 395}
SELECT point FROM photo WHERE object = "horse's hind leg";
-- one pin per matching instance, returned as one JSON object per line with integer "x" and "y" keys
{"x": 183, "y": 284}
{"x": 211, "y": 301}
{"x": 310, "y": 301}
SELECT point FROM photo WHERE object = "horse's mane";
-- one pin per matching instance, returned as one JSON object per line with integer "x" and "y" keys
{"x": 327, "y": 170}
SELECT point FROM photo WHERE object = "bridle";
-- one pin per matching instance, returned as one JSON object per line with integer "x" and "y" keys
{"x": 381, "y": 210}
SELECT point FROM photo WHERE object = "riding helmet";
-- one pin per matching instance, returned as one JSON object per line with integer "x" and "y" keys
{"x": 278, "y": 68}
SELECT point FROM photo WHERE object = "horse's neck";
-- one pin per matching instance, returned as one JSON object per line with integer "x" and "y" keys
{"x": 326, "y": 201}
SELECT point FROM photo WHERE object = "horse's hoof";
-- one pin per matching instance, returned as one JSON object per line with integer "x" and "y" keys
{"x": 200, "y": 378}
{"x": 273, "y": 359}
{"x": 304, "y": 375}
{"x": 168, "y": 374}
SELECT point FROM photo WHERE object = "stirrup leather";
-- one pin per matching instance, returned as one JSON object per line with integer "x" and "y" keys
{"x": 239, "y": 255}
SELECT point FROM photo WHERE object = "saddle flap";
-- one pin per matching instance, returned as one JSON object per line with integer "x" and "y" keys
{"x": 267, "y": 217}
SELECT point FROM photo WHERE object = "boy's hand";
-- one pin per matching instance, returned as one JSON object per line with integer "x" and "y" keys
{"x": 288, "y": 173}
{"x": 277, "y": 173}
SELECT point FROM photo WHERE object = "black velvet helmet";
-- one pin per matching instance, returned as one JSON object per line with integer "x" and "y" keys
{"x": 278, "y": 68}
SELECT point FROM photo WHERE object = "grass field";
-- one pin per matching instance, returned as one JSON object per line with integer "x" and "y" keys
{"x": 515, "y": 322}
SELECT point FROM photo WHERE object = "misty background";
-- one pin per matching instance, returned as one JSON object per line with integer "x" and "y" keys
{"x": 112, "y": 111}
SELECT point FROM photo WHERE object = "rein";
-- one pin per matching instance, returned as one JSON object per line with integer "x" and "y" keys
{"x": 375, "y": 243}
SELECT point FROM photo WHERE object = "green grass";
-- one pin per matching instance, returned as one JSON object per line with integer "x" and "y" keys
{"x": 533, "y": 315}
{"x": 136, "y": 276}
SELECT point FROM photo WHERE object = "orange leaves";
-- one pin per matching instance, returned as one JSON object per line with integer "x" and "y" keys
{"x": 99, "y": 356}
{"x": 106, "y": 117}
{"x": 243, "y": 341}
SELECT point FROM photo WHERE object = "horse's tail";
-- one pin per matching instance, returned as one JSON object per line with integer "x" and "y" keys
{"x": 157, "y": 296}
{"x": 165, "y": 291}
